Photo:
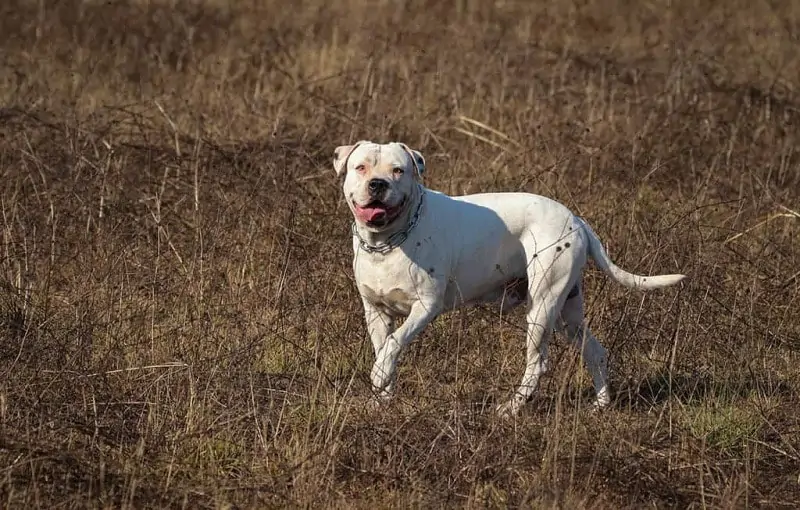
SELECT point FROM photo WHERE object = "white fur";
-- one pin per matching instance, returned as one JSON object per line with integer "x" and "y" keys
{"x": 466, "y": 250}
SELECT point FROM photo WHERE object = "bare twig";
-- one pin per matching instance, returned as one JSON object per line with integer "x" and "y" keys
{"x": 173, "y": 364}
{"x": 481, "y": 138}
{"x": 172, "y": 125}
{"x": 790, "y": 214}
{"x": 481, "y": 125}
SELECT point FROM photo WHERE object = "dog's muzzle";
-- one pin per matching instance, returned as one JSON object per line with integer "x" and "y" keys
{"x": 377, "y": 213}
{"x": 377, "y": 187}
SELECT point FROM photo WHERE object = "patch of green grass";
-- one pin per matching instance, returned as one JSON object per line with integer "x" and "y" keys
{"x": 724, "y": 426}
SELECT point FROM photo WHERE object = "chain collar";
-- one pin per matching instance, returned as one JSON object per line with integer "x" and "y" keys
{"x": 395, "y": 239}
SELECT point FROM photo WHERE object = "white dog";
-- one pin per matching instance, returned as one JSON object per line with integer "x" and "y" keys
{"x": 419, "y": 252}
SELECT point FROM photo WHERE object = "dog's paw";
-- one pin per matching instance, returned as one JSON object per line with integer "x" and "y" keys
{"x": 374, "y": 404}
{"x": 509, "y": 409}
{"x": 598, "y": 406}
{"x": 379, "y": 399}
{"x": 383, "y": 374}
{"x": 602, "y": 400}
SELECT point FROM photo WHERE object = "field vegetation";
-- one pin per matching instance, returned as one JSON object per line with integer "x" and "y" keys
{"x": 179, "y": 327}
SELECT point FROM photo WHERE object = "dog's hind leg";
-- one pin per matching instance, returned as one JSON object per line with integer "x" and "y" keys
{"x": 594, "y": 355}
{"x": 547, "y": 293}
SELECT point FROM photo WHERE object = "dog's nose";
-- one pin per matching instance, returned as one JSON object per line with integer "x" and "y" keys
{"x": 377, "y": 186}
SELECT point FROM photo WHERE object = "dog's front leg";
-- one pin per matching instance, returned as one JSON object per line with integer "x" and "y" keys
{"x": 383, "y": 371}
{"x": 379, "y": 325}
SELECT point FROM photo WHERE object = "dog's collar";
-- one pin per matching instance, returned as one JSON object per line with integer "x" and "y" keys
{"x": 395, "y": 239}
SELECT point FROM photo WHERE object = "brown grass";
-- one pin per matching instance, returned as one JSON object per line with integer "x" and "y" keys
{"x": 178, "y": 321}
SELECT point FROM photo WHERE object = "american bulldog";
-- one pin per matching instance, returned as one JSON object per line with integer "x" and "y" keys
{"x": 419, "y": 252}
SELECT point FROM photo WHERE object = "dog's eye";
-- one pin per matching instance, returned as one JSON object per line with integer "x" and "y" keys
{"x": 398, "y": 171}
{"x": 360, "y": 168}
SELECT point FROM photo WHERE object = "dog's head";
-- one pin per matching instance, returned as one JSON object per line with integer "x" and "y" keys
{"x": 380, "y": 180}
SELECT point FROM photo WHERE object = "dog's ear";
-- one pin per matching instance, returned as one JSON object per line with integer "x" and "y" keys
{"x": 341, "y": 154}
{"x": 416, "y": 159}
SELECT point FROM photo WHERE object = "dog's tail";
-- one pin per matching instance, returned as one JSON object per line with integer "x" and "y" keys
{"x": 621, "y": 276}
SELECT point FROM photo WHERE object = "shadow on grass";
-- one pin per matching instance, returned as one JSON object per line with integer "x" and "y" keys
{"x": 658, "y": 387}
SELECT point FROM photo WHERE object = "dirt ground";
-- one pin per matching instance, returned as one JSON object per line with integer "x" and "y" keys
{"x": 179, "y": 326}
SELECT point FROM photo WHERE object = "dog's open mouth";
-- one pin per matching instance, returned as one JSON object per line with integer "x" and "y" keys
{"x": 377, "y": 213}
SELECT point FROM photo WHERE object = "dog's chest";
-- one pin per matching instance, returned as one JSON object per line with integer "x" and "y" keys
{"x": 395, "y": 302}
{"x": 390, "y": 287}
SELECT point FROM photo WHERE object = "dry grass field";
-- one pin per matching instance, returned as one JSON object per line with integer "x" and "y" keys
{"x": 179, "y": 325}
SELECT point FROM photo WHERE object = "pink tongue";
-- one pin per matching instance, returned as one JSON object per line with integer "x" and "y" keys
{"x": 370, "y": 213}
